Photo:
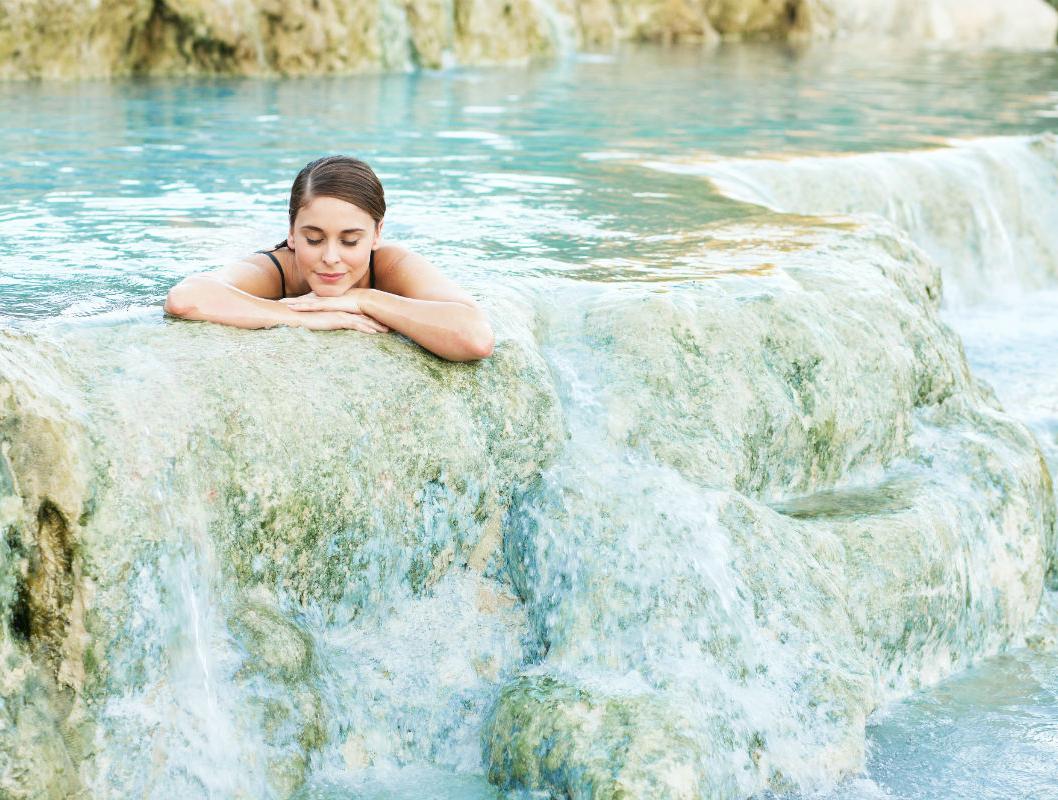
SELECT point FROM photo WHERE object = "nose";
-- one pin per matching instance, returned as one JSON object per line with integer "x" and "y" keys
{"x": 331, "y": 255}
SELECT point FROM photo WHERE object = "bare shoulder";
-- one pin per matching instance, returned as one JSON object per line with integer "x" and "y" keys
{"x": 255, "y": 274}
{"x": 389, "y": 257}
{"x": 399, "y": 270}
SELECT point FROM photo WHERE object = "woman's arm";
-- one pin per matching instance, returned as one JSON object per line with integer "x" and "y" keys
{"x": 453, "y": 330}
{"x": 416, "y": 299}
{"x": 232, "y": 296}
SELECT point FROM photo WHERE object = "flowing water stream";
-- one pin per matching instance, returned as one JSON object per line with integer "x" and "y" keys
{"x": 729, "y": 551}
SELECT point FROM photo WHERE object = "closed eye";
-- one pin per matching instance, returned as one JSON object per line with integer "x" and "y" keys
{"x": 315, "y": 242}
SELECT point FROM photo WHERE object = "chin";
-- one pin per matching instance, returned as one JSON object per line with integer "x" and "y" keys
{"x": 330, "y": 289}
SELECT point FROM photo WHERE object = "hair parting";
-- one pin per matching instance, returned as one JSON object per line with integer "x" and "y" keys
{"x": 343, "y": 177}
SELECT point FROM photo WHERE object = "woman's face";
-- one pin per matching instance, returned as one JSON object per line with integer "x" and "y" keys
{"x": 332, "y": 242}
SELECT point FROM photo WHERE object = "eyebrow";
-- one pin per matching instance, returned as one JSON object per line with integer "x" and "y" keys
{"x": 314, "y": 228}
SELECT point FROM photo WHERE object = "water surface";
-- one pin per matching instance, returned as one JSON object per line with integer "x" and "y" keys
{"x": 115, "y": 190}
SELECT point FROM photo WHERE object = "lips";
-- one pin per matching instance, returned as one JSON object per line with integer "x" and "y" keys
{"x": 330, "y": 277}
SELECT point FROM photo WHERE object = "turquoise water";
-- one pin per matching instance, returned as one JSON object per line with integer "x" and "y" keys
{"x": 113, "y": 191}
{"x": 990, "y": 733}
{"x": 947, "y": 742}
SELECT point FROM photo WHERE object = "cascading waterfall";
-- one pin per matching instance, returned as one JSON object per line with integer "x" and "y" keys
{"x": 678, "y": 537}
{"x": 718, "y": 617}
{"x": 983, "y": 210}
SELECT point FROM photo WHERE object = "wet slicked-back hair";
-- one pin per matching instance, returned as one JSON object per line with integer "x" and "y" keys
{"x": 343, "y": 177}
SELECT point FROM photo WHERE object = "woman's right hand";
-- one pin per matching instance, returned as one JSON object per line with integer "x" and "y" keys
{"x": 339, "y": 320}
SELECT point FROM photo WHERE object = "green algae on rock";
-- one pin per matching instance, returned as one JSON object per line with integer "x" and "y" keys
{"x": 310, "y": 485}
{"x": 578, "y": 743}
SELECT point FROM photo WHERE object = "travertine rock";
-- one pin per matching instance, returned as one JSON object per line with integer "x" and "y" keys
{"x": 749, "y": 541}
{"x": 699, "y": 529}
{"x": 72, "y": 39}
{"x": 102, "y": 550}
{"x": 982, "y": 23}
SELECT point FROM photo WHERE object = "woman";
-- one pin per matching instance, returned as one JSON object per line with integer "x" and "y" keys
{"x": 333, "y": 272}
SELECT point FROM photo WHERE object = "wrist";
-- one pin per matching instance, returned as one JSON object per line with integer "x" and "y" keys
{"x": 366, "y": 300}
{"x": 289, "y": 317}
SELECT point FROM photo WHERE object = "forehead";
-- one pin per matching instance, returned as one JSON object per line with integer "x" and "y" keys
{"x": 332, "y": 213}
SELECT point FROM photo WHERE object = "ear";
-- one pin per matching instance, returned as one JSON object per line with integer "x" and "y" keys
{"x": 378, "y": 234}
{"x": 290, "y": 240}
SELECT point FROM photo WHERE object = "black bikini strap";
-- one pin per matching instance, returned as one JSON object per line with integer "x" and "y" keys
{"x": 282, "y": 277}
{"x": 371, "y": 269}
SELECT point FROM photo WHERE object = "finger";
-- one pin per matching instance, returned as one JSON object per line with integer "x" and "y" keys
{"x": 374, "y": 325}
{"x": 360, "y": 315}
{"x": 366, "y": 324}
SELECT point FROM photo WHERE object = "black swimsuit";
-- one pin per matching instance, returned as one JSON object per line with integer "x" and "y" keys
{"x": 283, "y": 277}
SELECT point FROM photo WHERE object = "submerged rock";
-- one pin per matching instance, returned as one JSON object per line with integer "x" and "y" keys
{"x": 578, "y": 743}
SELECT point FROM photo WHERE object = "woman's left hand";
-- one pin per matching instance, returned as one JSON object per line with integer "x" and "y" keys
{"x": 347, "y": 302}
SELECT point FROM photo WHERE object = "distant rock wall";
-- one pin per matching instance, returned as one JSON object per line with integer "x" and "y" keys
{"x": 981, "y": 23}
{"x": 69, "y": 39}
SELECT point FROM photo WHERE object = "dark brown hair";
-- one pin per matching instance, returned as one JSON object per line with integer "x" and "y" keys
{"x": 343, "y": 177}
